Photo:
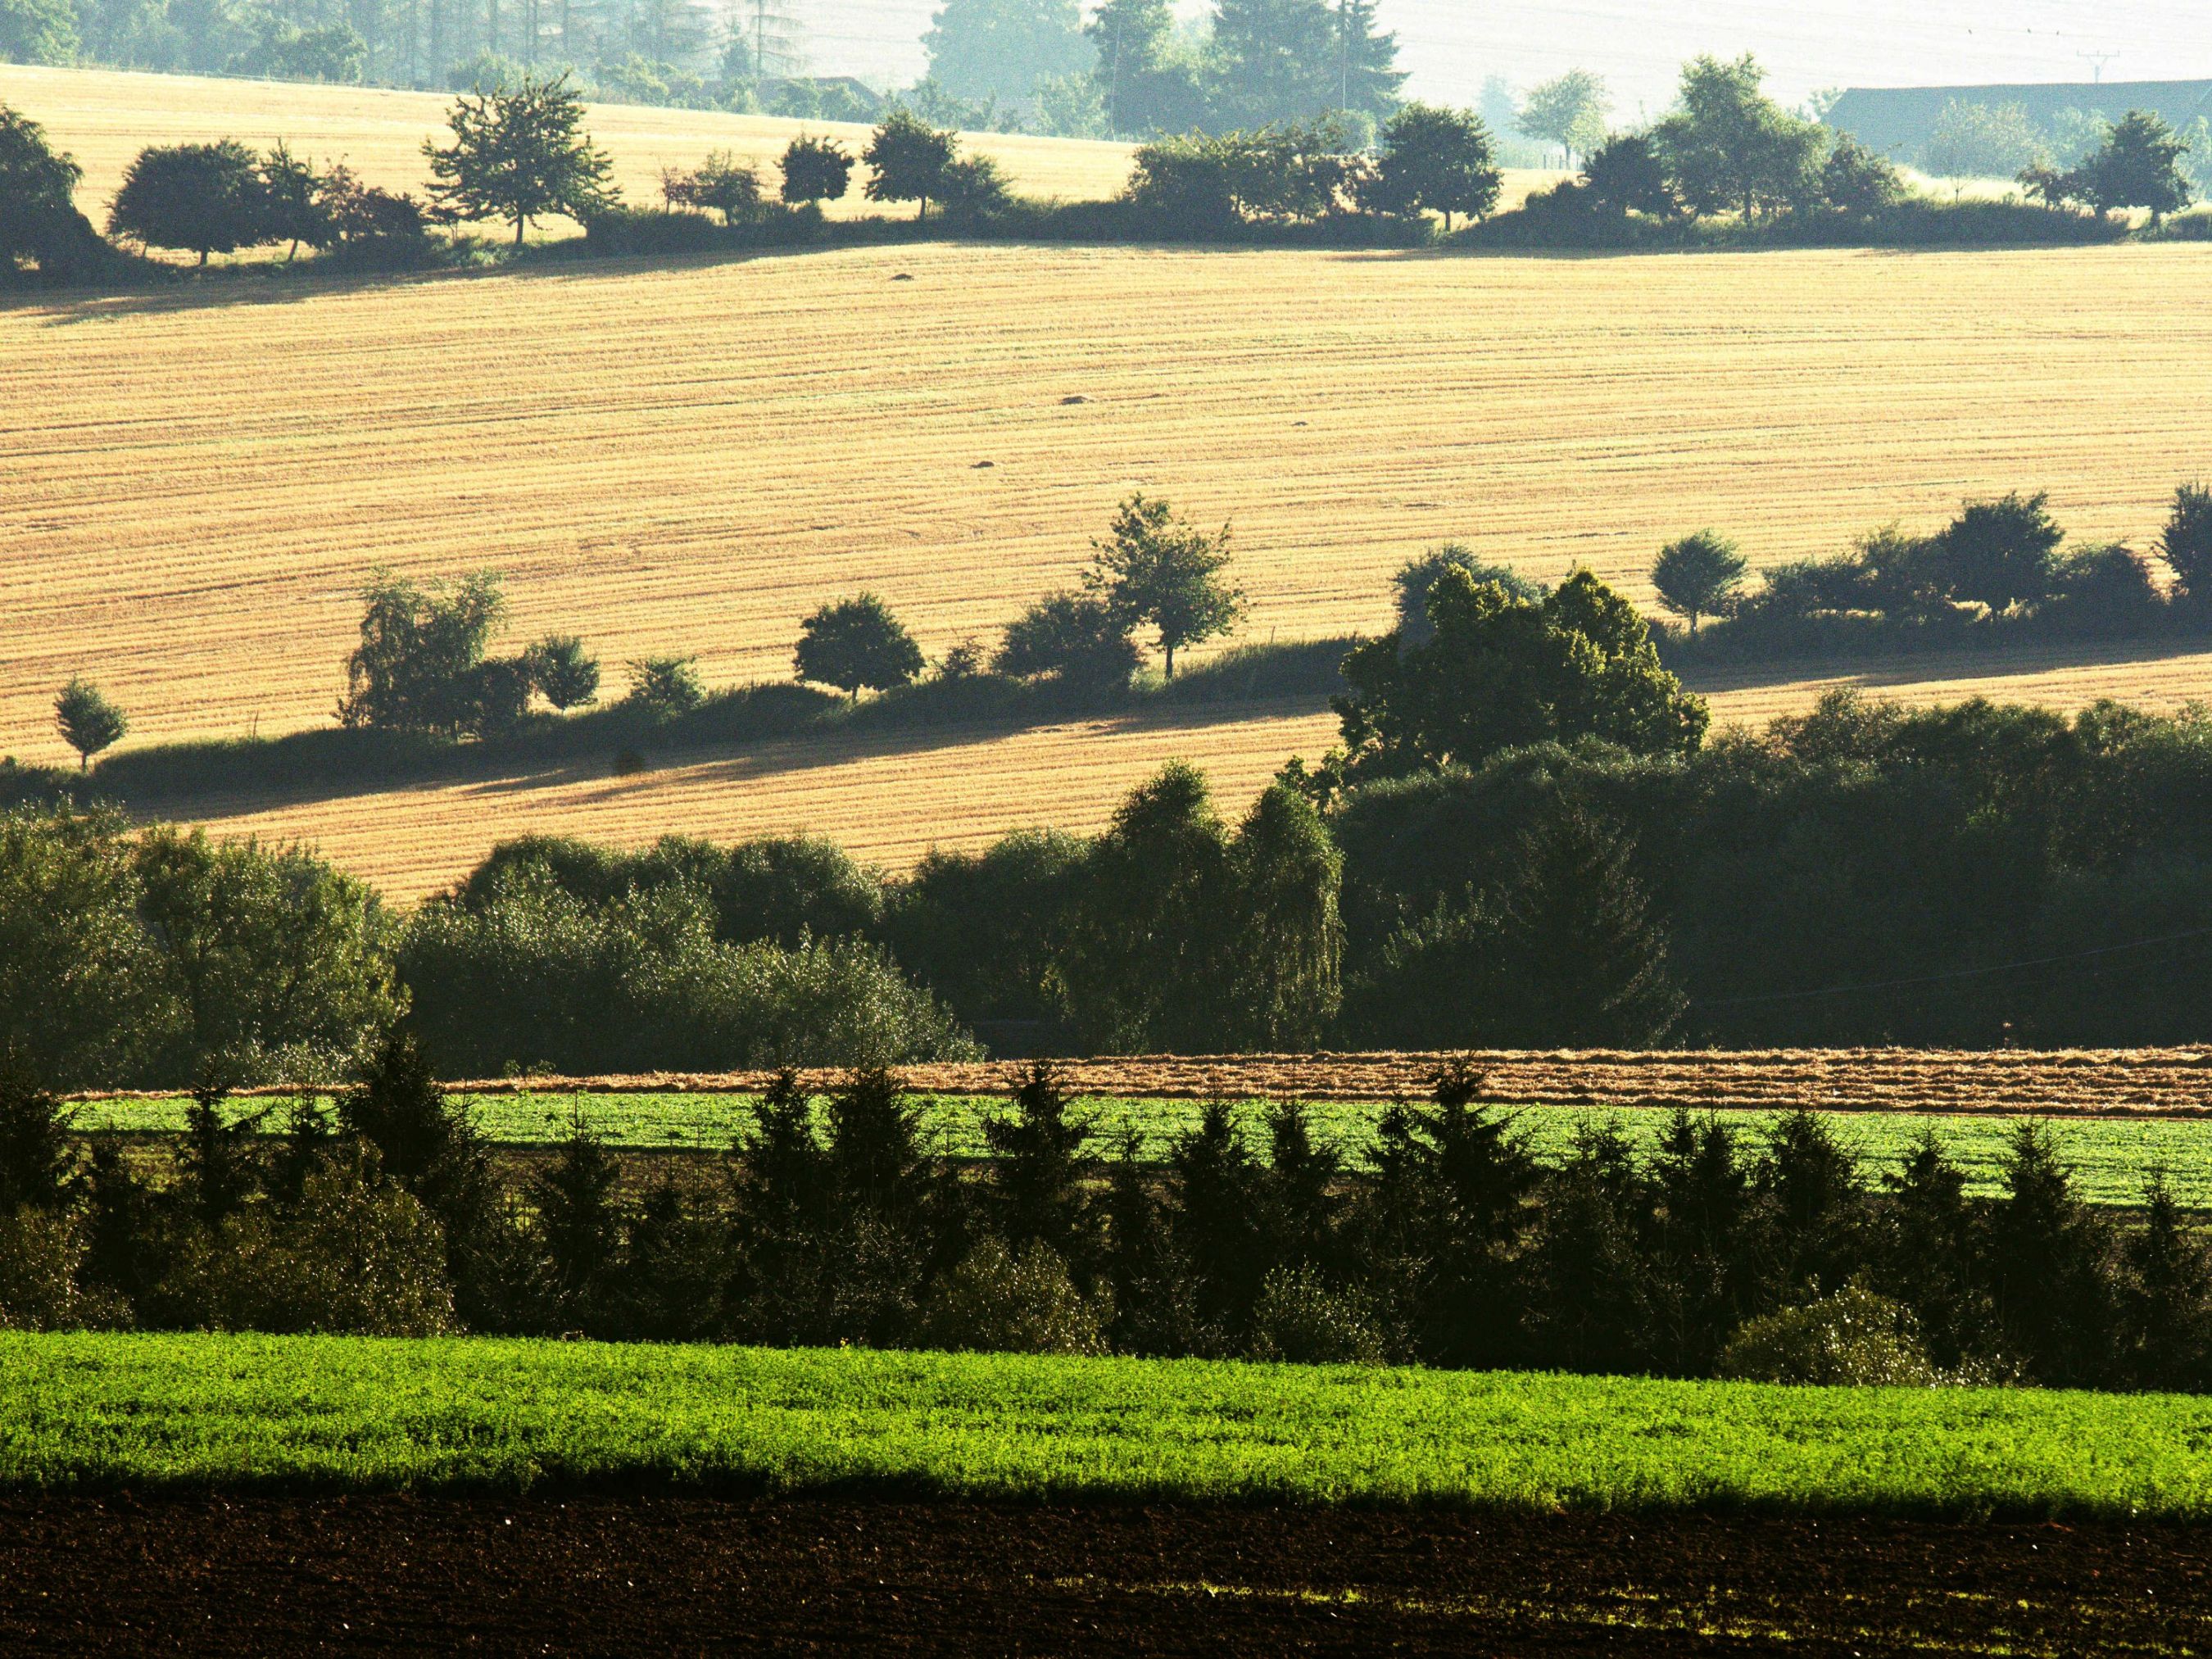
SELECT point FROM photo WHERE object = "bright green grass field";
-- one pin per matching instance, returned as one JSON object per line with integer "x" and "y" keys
{"x": 2112, "y": 1156}
{"x": 238, "y": 1412}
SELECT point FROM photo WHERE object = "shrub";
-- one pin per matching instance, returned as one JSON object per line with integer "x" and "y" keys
{"x": 721, "y": 184}
{"x": 41, "y": 1259}
{"x": 1417, "y": 577}
{"x": 2186, "y": 542}
{"x": 1000, "y": 1301}
{"x": 1302, "y": 1320}
{"x": 561, "y": 668}
{"x": 1074, "y": 638}
{"x": 664, "y": 686}
{"x": 1853, "y": 1338}
{"x": 356, "y": 1256}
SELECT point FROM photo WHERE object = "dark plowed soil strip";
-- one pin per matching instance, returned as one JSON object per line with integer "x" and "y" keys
{"x": 670, "y": 1576}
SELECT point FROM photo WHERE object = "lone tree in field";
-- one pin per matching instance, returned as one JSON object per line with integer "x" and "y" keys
{"x": 1155, "y": 570}
{"x": 204, "y": 198}
{"x": 2186, "y": 542}
{"x": 518, "y": 155}
{"x": 908, "y": 159}
{"x": 89, "y": 722}
{"x": 857, "y": 643}
{"x": 815, "y": 170}
{"x": 562, "y": 673}
{"x": 1438, "y": 161}
{"x": 2139, "y": 167}
{"x": 1697, "y": 575}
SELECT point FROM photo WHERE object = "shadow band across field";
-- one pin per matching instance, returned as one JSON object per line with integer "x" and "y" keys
{"x": 785, "y": 735}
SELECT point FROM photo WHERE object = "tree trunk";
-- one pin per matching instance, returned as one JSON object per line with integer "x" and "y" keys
{"x": 521, "y": 220}
{"x": 1171, "y": 651}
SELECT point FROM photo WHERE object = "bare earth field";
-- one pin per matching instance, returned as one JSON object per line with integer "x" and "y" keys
{"x": 646, "y": 1575}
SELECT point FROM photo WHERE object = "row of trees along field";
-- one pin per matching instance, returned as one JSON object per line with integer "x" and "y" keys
{"x": 1727, "y": 154}
{"x": 1527, "y": 836}
{"x": 1998, "y": 571}
{"x": 1778, "y": 1258}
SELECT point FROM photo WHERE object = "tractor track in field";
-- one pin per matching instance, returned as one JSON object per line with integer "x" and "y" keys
{"x": 663, "y": 1575}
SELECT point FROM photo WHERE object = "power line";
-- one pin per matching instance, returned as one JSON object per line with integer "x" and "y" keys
{"x": 1956, "y": 974}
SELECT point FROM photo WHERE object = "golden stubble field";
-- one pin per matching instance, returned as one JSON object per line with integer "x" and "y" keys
{"x": 103, "y": 117}
{"x": 689, "y": 457}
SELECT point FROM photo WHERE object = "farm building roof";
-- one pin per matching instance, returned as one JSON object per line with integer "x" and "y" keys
{"x": 1898, "y": 120}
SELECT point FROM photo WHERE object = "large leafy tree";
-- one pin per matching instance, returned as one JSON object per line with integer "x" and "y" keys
{"x": 1149, "y": 83}
{"x": 908, "y": 161}
{"x": 204, "y": 198}
{"x": 38, "y": 32}
{"x": 517, "y": 154}
{"x": 1292, "y": 60}
{"x": 1570, "y": 112}
{"x": 1997, "y": 553}
{"x": 1436, "y": 161}
{"x": 1155, "y": 570}
{"x": 88, "y": 721}
{"x": 1696, "y": 574}
{"x": 1501, "y": 672}
{"x": 421, "y": 665}
{"x": 815, "y": 170}
{"x": 857, "y": 644}
{"x": 1728, "y": 147}
{"x": 1002, "y": 48}
{"x": 271, "y": 955}
{"x": 37, "y": 214}
{"x": 2138, "y": 166}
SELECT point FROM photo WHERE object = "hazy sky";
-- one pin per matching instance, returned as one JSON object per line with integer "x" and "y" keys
{"x": 1450, "y": 45}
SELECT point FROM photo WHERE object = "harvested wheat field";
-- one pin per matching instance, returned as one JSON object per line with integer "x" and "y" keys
{"x": 105, "y": 116}
{"x": 690, "y": 457}
{"x": 886, "y": 802}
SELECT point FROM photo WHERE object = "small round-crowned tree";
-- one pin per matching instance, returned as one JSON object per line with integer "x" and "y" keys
{"x": 857, "y": 644}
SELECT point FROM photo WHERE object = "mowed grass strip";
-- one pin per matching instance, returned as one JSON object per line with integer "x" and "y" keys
{"x": 237, "y": 1412}
{"x": 2112, "y": 1159}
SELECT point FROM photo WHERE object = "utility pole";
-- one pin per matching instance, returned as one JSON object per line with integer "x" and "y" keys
{"x": 2097, "y": 60}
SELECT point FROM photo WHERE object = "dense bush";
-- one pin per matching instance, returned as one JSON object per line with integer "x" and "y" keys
{"x": 523, "y": 973}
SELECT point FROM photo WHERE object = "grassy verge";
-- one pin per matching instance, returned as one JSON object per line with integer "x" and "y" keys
{"x": 348, "y": 1413}
{"x": 2111, "y": 1157}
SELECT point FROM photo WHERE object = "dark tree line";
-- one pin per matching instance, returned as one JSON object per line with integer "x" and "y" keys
{"x": 1775, "y": 1256}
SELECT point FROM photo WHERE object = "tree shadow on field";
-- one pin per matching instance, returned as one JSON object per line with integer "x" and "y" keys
{"x": 596, "y": 779}
{"x": 222, "y": 289}
{"x": 1958, "y": 670}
